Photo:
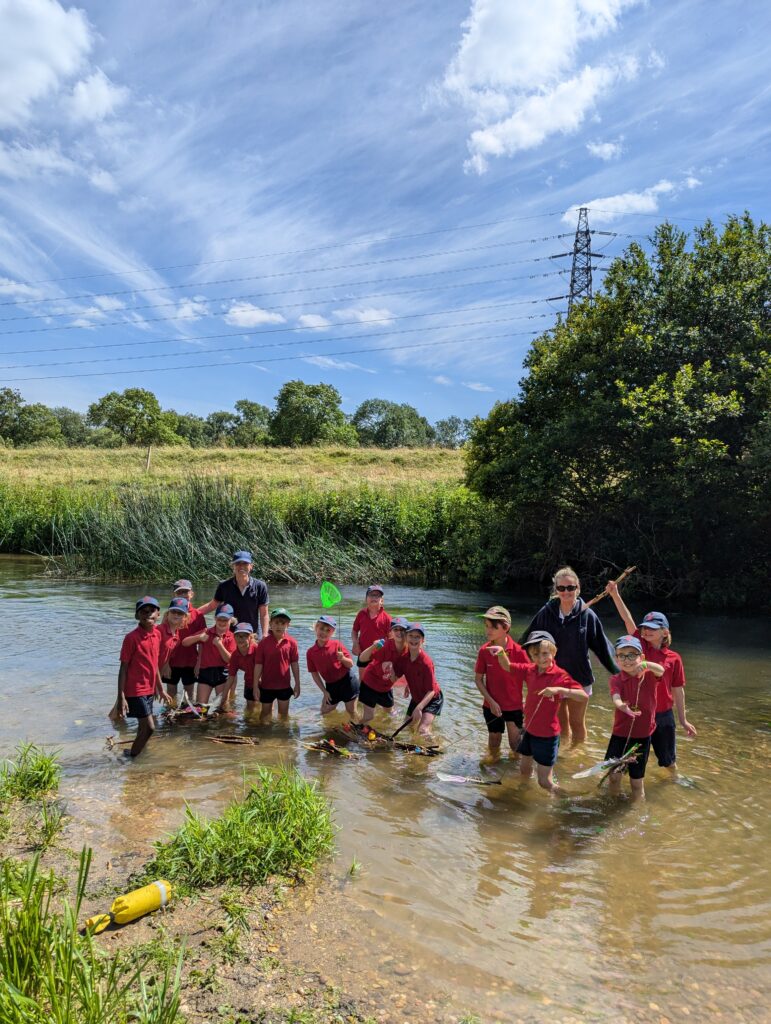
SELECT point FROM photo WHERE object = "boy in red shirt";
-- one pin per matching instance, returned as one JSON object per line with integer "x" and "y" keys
{"x": 169, "y": 631}
{"x": 634, "y": 695}
{"x": 384, "y": 661}
{"x": 426, "y": 698}
{"x": 330, "y": 664}
{"x": 372, "y": 622}
{"x": 547, "y": 685}
{"x": 217, "y": 647}
{"x": 243, "y": 659}
{"x": 276, "y": 661}
{"x": 502, "y": 693}
{"x": 183, "y": 659}
{"x": 139, "y": 677}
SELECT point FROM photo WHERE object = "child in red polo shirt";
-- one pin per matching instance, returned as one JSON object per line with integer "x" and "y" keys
{"x": 183, "y": 660}
{"x": 217, "y": 647}
{"x": 330, "y": 664}
{"x": 139, "y": 677}
{"x": 384, "y": 661}
{"x": 502, "y": 693}
{"x": 275, "y": 663}
{"x": 242, "y": 660}
{"x": 653, "y": 632}
{"x": 634, "y": 695}
{"x": 426, "y": 698}
{"x": 547, "y": 685}
{"x": 372, "y": 622}
{"x": 173, "y": 620}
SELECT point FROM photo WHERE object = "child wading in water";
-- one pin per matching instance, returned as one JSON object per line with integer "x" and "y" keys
{"x": 275, "y": 664}
{"x": 242, "y": 659}
{"x": 139, "y": 676}
{"x": 634, "y": 694}
{"x": 501, "y": 691}
{"x": 384, "y": 660}
{"x": 547, "y": 686}
{"x": 184, "y": 659}
{"x": 169, "y": 630}
{"x": 372, "y": 622}
{"x": 217, "y": 646}
{"x": 656, "y": 638}
{"x": 330, "y": 664}
{"x": 426, "y": 698}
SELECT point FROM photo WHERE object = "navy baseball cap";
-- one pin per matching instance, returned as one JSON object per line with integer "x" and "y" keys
{"x": 375, "y": 588}
{"x": 244, "y": 627}
{"x": 328, "y": 620}
{"x": 224, "y": 611}
{"x": 415, "y": 627}
{"x": 400, "y": 622}
{"x": 241, "y": 556}
{"x": 628, "y": 641}
{"x": 179, "y": 604}
{"x": 181, "y": 585}
{"x": 537, "y": 636}
{"x": 654, "y": 620}
{"x": 144, "y": 601}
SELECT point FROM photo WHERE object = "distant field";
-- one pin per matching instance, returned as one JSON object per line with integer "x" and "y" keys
{"x": 316, "y": 468}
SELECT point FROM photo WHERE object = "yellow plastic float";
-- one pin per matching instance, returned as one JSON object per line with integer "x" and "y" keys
{"x": 132, "y": 906}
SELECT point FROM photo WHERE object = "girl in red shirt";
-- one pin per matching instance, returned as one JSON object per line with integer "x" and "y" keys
{"x": 426, "y": 698}
{"x": 276, "y": 663}
{"x": 372, "y": 623}
{"x": 175, "y": 618}
{"x": 242, "y": 659}
{"x": 217, "y": 646}
{"x": 183, "y": 660}
{"x": 384, "y": 660}
{"x": 330, "y": 664}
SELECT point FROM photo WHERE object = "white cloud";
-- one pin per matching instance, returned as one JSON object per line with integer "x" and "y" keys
{"x": 95, "y": 98}
{"x": 516, "y": 71}
{"x": 18, "y": 290}
{"x": 473, "y": 385}
{"x": 442, "y": 380}
{"x": 19, "y": 162}
{"x": 609, "y": 208}
{"x": 313, "y": 320}
{"x": 327, "y": 363}
{"x": 41, "y": 45}
{"x": 108, "y": 303}
{"x": 244, "y": 314}
{"x": 364, "y": 314}
{"x": 103, "y": 180}
{"x": 193, "y": 309}
{"x": 606, "y": 150}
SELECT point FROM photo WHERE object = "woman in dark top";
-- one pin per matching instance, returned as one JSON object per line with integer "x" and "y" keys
{"x": 576, "y": 631}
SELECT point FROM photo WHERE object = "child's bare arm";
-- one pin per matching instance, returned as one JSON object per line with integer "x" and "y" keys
{"x": 344, "y": 660}
{"x": 316, "y": 677}
{"x": 224, "y": 652}
{"x": 652, "y": 666}
{"x": 120, "y": 707}
{"x": 621, "y": 608}
{"x": 257, "y": 674}
{"x": 294, "y": 667}
{"x": 198, "y": 638}
{"x": 678, "y": 694}
{"x": 366, "y": 654}
{"x": 479, "y": 680}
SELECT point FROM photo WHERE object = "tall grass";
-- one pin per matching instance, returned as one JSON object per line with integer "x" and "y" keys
{"x": 34, "y": 773}
{"x": 281, "y": 827}
{"x": 49, "y": 974}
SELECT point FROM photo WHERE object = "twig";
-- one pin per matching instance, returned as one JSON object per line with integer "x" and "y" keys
{"x": 621, "y": 578}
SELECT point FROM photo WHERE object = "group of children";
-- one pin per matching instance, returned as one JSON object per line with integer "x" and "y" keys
{"x": 522, "y": 686}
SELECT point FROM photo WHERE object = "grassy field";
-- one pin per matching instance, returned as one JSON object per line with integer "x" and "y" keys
{"x": 275, "y": 468}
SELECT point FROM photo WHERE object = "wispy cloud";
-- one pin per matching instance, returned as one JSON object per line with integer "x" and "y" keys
{"x": 441, "y": 379}
{"x": 474, "y": 385}
{"x": 192, "y": 309}
{"x": 606, "y": 150}
{"x": 328, "y": 363}
{"x": 609, "y": 208}
{"x": 244, "y": 314}
{"x": 314, "y": 320}
{"x": 364, "y": 314}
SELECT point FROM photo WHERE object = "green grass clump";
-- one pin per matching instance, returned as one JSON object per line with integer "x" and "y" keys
{"x": 281, "y": 827}
{"x": 33, "y": 774}
{"x": 51, "y": 973}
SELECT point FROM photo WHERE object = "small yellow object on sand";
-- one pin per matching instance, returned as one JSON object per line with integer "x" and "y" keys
{"x": 131, "y": 906}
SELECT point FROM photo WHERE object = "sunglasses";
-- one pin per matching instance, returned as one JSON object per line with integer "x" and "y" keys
{"x": 566, "y": 586}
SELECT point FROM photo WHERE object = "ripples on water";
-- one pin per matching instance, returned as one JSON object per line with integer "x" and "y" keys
{"x": 580, "y": 908}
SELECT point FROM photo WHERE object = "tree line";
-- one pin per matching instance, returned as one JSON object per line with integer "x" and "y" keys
{"x": 304, "y": 414}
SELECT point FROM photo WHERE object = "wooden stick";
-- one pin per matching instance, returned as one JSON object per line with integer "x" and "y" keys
{"x": 622, "y": 577}
{"x": 395, "y": 734}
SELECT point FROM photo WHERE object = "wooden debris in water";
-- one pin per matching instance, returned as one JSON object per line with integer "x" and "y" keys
{"x": 325, "y": 746}
{"x": 220, "y": 737}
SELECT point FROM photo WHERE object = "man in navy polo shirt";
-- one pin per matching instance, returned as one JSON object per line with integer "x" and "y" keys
{"x": 247, "y": 595}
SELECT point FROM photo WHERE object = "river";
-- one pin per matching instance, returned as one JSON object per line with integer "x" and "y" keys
{"x": 500, "y": 900}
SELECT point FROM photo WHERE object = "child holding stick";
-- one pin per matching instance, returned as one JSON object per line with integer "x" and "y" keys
{"x": 501, "y": 692}
{"x": 139, "y": 676}
{"x": 275, "y": 664}
{"x": 330, "y": 664}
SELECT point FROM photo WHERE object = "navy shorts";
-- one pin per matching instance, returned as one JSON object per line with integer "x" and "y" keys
{"x": 268, "y": 696}
{"x": 619, "y": 745}
{"x": 663, "y": 739}
{"x": 344, "y": 689}
{"x": 372, "y": 698}
{"x": 434, "y": 706}
{"x": 249, "y": 693}
{"x": 213, "y": 676}
{"x": 542, "y": 749}
{"x": 184, "y": 674}
{"x": 140, "y": 707}
{"x": 496, "y": 724}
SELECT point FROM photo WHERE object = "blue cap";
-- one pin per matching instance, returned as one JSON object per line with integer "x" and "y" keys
{"x": 654, "y": 620}
{"x": 179, "y": 604}
{"x": 537, "y": 636}
{"x": 181, "y": 585}
{"x": 224, "y": 611}
{"x": 400, "y": 622}
{"x": 145, "y": 601}
{"x": 415, "y": 627}
{"x": 629, "y": 641}
{"x": 241, "y": 556}
{"x": 244, "y": 627}
{"x": 328, "y": 620}
{"x": 375, "y": 588}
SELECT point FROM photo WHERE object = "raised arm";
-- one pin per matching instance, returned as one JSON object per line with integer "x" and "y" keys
{"x": 621, "y": 608}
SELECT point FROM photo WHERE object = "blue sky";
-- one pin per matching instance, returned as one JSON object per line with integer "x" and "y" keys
{"x": 219, "y": 198}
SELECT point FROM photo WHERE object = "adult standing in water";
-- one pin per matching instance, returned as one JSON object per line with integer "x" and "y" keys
{"x": 576, "y": 631}
{"x": 247, "y": 595}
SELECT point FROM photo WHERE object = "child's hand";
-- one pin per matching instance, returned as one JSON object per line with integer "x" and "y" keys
{"x": 628, "y": 711}
{"x": 296, "y": 691}
{"x": 495, "y": 650}
{"x": 355, "y": 649}
{"x": 417, "y": 714}
{"x": 494, "y": 706}
{"x": 689, "y": 729}
{"x": 379, "y": 644}
{"x": 119, "y": 710}
{"x": 552, "y": 691}
{"x": 612, "y": 587}
{"x": 203, "y": 638}
{"x": 165, "y": 698}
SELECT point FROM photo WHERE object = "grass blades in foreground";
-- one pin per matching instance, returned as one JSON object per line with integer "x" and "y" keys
{"x": 33, "y": 774}
{"x": 281, "y": 827}
{"x": 49, "y": 974}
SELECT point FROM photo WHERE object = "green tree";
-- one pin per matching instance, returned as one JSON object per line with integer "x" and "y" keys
{"x": 37, "y": 424}
{"x": 134, "y": 415}
{"x": 11, "y": 404}
{"x": 191, "y": 428}
{"x": 451, "y": 432}
{"x": 219, "y": 428}
{"x": 640, "y": 434}
{"x": 74, "y": 425}
{"x": 386, "y": 424}
{"x": 253, "y": 425}
{"x": 308, "y": 414}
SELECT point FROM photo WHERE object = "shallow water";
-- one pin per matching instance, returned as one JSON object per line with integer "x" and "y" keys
{"x": 498, "y": 899}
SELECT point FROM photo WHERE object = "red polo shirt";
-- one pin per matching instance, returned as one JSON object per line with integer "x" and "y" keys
{"x": 186, "y": 657}
{"x": 139, "y": 653}
{"x": 169, "y": 643}
{"x": 276, "y": 657}
{"x": 210, "y": 655}
{"x": 326, "y": 660}
{"x": 641, "y": 692}
{"x": 375, "y": 677}
{"x": 674, "y": 675}
{"x": 503, "y": 687}
{"x": 540, "y": 717}
{"x": 420, "y": 676}
{"x": 244, "y": 663}
{"x": 370, "y": 629}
